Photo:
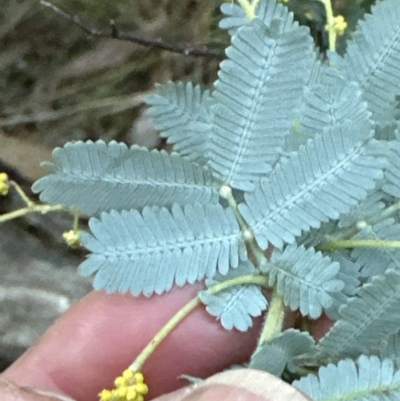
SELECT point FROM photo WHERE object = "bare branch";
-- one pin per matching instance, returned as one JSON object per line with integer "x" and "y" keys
{"x": 115, "y": 33}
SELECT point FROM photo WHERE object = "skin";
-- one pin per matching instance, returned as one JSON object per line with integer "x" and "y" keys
{"x": 100, "y": 336}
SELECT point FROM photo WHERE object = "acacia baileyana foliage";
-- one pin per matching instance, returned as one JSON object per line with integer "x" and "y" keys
{"x": 287, "y": 153}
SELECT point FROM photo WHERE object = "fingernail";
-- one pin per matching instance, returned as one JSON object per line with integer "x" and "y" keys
{"x": 214, "y": 392}
{"x": 230, "y": 385}
{"x": 238, "y": 385}
{"x": 12, "y": 392}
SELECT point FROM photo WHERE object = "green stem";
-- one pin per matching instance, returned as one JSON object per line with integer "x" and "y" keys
{"x": 43, "y": 209}
{"x": 390, "y": 210}
{"x": 352, "y": 230}
{"x": 358, "y": 243}
{"x": 138, "y": 363}
{"x": 226, "y": 192}
{"x": 22, "y": 194}
{"x": 136, "y": 366}
{"x": 274, "y": 321}
{"x": 329, "y": 23}
{"x": 75, "y": 225}
{"x": 276, "y": 311}
{"x": 248, "y": 279}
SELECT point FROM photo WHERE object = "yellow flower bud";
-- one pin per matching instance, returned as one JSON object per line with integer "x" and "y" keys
{"x": 4, "y": 185}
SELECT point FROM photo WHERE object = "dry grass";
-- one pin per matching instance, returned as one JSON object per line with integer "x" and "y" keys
{"x": 59, "y": 84}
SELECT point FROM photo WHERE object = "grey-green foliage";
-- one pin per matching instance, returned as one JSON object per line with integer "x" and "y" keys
{"x": 366, "y": 319}
{"x": 349, "y": 274}
{"x": 152, "y": 249}
{"x": 367, "y": 379}
{"x": 183, "y": 115}
{"x": 377, "y": 261}
{"x": 290, "y": 153}
{"x": 95, "y": 177}
{"x": 235, "y": 306}
{"x": 280, "y": 352}
{"x": 372, "y": 60}
{"x": 266, "y": 66}
{"x": 391, "y": 349}
{"x": 305, "y": 278}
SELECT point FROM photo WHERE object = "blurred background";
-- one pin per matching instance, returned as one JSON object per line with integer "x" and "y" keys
{"x": 59, "y": 84}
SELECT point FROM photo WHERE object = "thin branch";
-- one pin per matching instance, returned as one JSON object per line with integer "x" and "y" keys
{"x": 117, "y": 34}
{"x": 274, "y": 319}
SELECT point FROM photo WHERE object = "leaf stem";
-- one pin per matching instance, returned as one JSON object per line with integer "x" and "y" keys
{"x": 31, "y": 207}
{"x": 329, "y": 24}
{"x": 226, "y": 192}
{"x": 43, "y": 209}
{"x": 358, "y": 243}
{"x": 22, "y": 194}
{"x": 390, "y": 210}
{"x": 179, "y": 316}
{"x": 334, "y": 25}
{"x": 276, "y": 311}
{"x": 274, "y": 320}
{"x": 136, "y": 366}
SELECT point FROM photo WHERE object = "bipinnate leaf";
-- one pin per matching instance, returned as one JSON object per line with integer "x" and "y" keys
{"x": 327, "y": 104}
{"x": 148, "y": 252}
{"x": 366, "y": 319}
{"x": 236, "y": 306}
{"x": 374, "y": 261}
{"x": 390, "y": 348}
{"x": 349, "y": 273}
{"x": 266, "y": 68}
{"x": 273, "y": 356}
{"x": 392, "y": 173}
{"x": 306, "y": 279}
{"x": 367, "y": 379}
{"x": 325, "y": 178}
{"x": 94, "y": 176}
{"x": 182, "y": 112}
{"x": 372, "y": 59}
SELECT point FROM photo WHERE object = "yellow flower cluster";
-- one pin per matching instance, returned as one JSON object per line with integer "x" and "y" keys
{"x": 339, "y": 25}
{"x": 128, "y": 387}
{"x": 4, "y": 185}
{"x": 72, "y": 238}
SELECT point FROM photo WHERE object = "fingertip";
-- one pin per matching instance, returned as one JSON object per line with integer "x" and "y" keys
{"x": 101, "y": 335}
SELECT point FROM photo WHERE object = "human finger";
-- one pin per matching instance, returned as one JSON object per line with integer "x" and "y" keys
{"x": 101, "y": 335}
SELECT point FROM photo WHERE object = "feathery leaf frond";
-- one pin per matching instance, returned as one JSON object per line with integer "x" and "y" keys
{"x": 94, "y": 177}
{"x": 349, "y": 273}
{"x": 328, "y": 104}
{"x": 305, "y": 278}
{"x": 376, "y": 261}
{"x": 182, "y": 112}
{"x": 391, "y": 349}
{"x": 366, "y": 319}
{"x": 372, "y": 59}
{"x": 266, "y": 68}
{"x": 273, "y": 356}
{"x": 237, "y": 305}
{"x": 368, "y": 379}
{"x": 319, "y": 182}
{"x": 147, "y": 252}
{"x": 392, "y": 173}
